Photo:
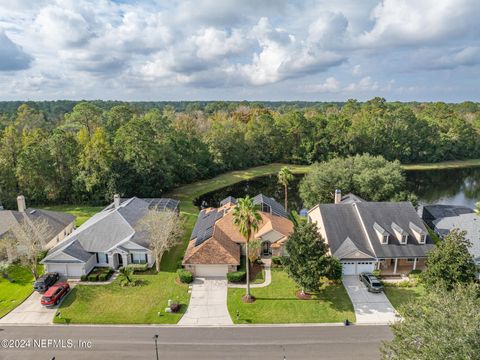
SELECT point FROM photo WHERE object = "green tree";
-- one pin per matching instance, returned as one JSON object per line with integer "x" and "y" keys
{"x": 87, "y": 115}
{"x": 10, "y": 147}
{"x": 246, "y": 219}
{"x": 285, "y": 176}
{"x": 308, "y": 259}
{"x": 370, "y": 177}
{"x": 450, "y": 262}
{"x": 441, "y": 324}
{"x": 29, "y": 118}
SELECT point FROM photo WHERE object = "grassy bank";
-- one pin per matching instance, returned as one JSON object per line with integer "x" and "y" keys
{"x": 455, "y": 164}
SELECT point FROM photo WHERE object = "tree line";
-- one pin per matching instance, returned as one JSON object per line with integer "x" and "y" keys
{"x": 86, "y": 151}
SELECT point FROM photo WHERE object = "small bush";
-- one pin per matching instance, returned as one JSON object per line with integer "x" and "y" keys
{"x": 41, "y": 255}
{"x": 83, "y": 278}
{"x": 236, "y": 276}
{"x": 376, "y": 273}
{"x": 138, "y": 267}
{"x": 179, "y": 264}
{"x": 175, "y": 307}
{"x": 92, "y": 277}
{"x": 185, "y": 276}
{"x": 103, "y": 277}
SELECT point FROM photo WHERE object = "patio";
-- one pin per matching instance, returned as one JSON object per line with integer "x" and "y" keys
{"x": 400, "y": 267}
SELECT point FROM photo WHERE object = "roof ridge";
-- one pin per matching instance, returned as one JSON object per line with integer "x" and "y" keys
{"x": 364, "y": 228}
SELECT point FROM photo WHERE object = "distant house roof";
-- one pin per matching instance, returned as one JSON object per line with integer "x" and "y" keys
{"x": 269, "y": 205}
{"x": 351, "y": 198}
{"x": 465, "y": 222}
{"x": 57, "y": 221}
{"x": 358, "y": 224}
{"x": 110, "y": 228}
{"x": 228, "y": 200}
{"x": 429, "y": 213}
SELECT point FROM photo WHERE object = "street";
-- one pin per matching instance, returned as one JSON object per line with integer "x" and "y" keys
{"x": 137, "y": 342}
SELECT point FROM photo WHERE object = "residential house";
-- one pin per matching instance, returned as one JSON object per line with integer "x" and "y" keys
{"x": 445, "y": 218}
{"x": 389, "y": 236}
{"x": 59, "y": 224}
{"x": 216, "y": 245}
{"x": 107, "y": 239}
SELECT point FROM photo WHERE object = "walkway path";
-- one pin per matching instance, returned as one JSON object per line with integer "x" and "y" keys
{"x": 268, "y": 281}
{"x": 369, "y": 308}
{"x": 208, "y": 303}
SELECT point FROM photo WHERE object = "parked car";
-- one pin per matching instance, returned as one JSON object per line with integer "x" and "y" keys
{"x": 371, "y": 282}
{"x": 45, "y": 281}
{"x": 54, "y": 294}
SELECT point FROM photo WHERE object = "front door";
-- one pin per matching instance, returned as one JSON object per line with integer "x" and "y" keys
{"x": 120, "y": 260}
{"x": 266, "y": 251}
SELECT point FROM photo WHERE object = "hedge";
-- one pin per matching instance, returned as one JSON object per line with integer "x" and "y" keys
{"x": 236, "y": 276}
{"x": 138, "y": 267}
{"x": 92, "y": 277}
{"x": 277, "y": 261}
{"x": 185, "y": 276}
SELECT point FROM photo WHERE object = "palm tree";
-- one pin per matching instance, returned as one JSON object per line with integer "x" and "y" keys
{"x": 477, "y": 208}
{"x": 246, "y": 219}
{"x": 284, "y": 178}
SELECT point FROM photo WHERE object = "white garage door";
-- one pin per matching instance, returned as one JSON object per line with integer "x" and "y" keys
{"x": 348, "y": 268}
{"x": 365, "y": 266}
{"x": 211, "y": 270}
{"x": 68, "y": 270}
{"x": 357, "y": 267}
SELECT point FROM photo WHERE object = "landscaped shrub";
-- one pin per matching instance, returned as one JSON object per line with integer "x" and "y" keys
{"x": 83, "y": 278}
{"x": 138, "y": 267}
{"x": 376, "y": 273}
{"x": 92, "y": 277}
{"x": 41, "y": 255}
{"x": 277, "y": 261}
{"x": 103, "y": 277}
{"x": 185, "y": 276}
{"x": 236, "y": 276}
{"x": 175, "y": 307}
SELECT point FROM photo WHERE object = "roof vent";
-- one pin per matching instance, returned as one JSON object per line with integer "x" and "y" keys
{"x": 33, "y": 211}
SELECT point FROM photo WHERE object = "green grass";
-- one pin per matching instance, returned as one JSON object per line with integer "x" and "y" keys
{"x": 13, "y": 294}
{"x": 113, "y": 304}
{"x": 260, "y": 278}
{"x": 454, "y": 164}
{"x": 82, "y": 212}
{"x": 399, "y": 296}
{"x": 277, "y": 304}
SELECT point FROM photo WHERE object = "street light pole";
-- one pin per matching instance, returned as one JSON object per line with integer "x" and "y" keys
{"x": 155, "y": 337}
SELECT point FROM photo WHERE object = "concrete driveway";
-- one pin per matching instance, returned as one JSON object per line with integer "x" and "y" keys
{"x": 208, "y": 303}
{"x": 369, "y": 308}
{"x": 30, "y": 312}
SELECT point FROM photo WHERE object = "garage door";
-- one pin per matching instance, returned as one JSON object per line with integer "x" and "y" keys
{"x": 357, "y": 267}
{"x": 68, "y": 270}
{"x": 348, "y": 267}
{"x": 211, "y": 270}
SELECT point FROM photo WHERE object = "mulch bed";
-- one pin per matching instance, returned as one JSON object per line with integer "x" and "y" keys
{"x": 248, "y": 299}
{"x": 301, "y": 296}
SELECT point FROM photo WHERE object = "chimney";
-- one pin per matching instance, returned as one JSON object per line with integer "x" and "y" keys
{"x": 338, "y": 196}
{"x": 21, "y": 203}
{"x": 116, "y": 200}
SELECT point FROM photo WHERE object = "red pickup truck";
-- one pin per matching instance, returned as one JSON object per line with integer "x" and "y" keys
{"x": 54, "y": 294}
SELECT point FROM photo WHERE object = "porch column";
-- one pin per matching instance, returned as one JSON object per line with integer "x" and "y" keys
{"x": 395, "y": 266}
{"x": 125, "y": 259}
{"x": 414, "y": 263}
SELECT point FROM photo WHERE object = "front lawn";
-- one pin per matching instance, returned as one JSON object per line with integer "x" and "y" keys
{"x": 13, "y": 294}
{"x": 82, "y": 212}
{"x": 113, "y": 304}
{"x": 399, "y": 295}
{"x": 278, "y": 304}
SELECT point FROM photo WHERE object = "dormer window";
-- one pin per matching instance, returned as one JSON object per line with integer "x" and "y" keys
{"x": 400, "y": 233}
{"x": 423, "y": 239}
{"x": 404, "y": 239}
{"x": 419, "y": 233}
{"x": 382, "y": 234}
{"x": 385, "y": 239}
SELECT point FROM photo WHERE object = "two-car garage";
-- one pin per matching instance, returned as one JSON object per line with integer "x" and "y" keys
{"x": 356, "y": 267}
{"x": 71, "y": 270}
{"x": 204, "y": 270}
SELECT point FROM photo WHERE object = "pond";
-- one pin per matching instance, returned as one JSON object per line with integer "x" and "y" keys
{"x": 452, "y": 186}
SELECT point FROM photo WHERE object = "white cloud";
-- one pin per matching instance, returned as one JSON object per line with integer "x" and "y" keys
{"x": 357, "y": 70}
{"x": 364, "y": 84}
{"x": 330, "y": 85}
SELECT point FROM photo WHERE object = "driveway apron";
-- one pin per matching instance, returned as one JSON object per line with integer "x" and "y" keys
{"x": 369, "y": 308}
{"x": 30, "y": 312}
{"x": 208, "y": 303}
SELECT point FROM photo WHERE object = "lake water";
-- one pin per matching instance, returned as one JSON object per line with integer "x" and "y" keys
{"x": 452, "y": 186}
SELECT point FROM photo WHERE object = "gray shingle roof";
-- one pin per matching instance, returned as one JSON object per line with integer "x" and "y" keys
{"x": 351, "y": 198}
{"x": 112, "y": 226}
{"x": 77, "y": 251}
{"x": 465, "y": 222}
{"x": 228, "y": 199}
{"x": 429, "y": 213}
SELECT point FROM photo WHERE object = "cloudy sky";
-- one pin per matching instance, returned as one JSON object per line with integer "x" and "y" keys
{"x": 240, "y": 49}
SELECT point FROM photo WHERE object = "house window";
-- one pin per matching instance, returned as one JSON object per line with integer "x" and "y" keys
{"x": 385, "y": 239}
{"x": 138, "y": 258}
{"x": 423, "y": 239}
{"x": 266, "y": 208}
{"x": 404, "y": 239}
{"x": 102, "y": 258}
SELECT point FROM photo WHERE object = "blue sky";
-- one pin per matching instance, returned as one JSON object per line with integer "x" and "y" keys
{"x": 320, "y": 50}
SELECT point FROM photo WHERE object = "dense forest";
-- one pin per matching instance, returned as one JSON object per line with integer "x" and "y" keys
{"x": 66, "y": 151}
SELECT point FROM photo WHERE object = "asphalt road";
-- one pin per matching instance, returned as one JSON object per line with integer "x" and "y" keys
{"x": 117, "y": 342}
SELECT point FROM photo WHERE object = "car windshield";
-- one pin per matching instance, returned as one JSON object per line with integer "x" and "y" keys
{"x": 46, "y": 298}
{"x": 376, "y": 283}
